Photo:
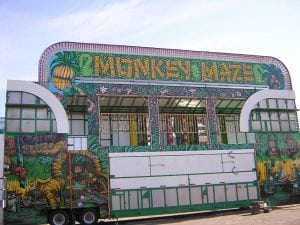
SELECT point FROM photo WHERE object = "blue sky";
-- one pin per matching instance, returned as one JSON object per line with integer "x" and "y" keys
{"x": 259, "y": 27}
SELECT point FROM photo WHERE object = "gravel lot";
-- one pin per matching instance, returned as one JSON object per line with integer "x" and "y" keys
{"x": 283, "y": 215}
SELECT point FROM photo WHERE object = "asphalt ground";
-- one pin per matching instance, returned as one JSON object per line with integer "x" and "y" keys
{"x": 280, "y": 215}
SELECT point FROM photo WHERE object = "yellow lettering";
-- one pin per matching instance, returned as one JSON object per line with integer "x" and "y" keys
{"x": 155, "y": 69}
{"x": 104, "y": 68}
{"x": 224, "y": 73}
{"x": 209, "y": 73}
{"x": 236, "y": 71}
{"x": 185, "y": 69}
{"x": 248, "y": 73}
{"x": 143, "y": 67}
{"x": 171, "y": 67}
{"x": 124, "y": 67}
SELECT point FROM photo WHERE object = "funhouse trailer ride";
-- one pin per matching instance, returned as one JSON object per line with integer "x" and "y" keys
{"x": 110, "y": 131}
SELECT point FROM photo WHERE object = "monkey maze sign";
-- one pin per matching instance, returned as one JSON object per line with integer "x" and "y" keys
{"x": 170, "y": 69}
{"x": 69, "y": 65}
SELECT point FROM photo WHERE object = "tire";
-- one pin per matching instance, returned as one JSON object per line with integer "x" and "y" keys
{"x": 88, "y": 217}
{"x": 255, "y": 211}
{"x": 59, "y": 217}
{"x": 266, "y": 210}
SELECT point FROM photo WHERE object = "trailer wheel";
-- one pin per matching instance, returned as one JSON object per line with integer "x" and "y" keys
{"x": 59, "y": 217}
{"x": 88, "y": 217}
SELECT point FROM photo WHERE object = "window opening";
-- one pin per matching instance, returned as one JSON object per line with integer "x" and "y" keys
{"x": 228, "y": 122}
{"x": 182, "y": 121}
{"x": 26, "y": 113}
{"x": 275, "y": 115}
{"x": 124, "y": 121}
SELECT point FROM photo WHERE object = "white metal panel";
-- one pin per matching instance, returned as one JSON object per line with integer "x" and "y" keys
{"x": 184, "y": 196}
{"x": 244, "y": 162}
{"x": 171, "y": 197}
{"x": 238, "y": 162}
{"x": 172, "y": 169}
{"x": 148, "y": 182}
{"x": 242, "y": 192}
{"x": 219, "y": 193}
{"x": 209, "y": 195}
{"x": 201, "y": 179}
{"x": 168, "y": 165}
{"x": 117, "y": 202}
{"x": 158, "y": 199}
{"x": 129, "y": 166}
{"x": 231, "y": 193}
{"x": 187, "y": 164}
{"x": 133, "y": 200}
{"x": 253, "y": 193}
{"x": 70, "y": 143}
{"x": 84, "y": 144}
{"x": 196, "y": 195}
{"x": 77, "y": 143}
{"x": 204, "y": 164}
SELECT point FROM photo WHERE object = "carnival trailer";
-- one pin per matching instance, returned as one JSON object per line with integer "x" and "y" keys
{"x": 113, "y": 131}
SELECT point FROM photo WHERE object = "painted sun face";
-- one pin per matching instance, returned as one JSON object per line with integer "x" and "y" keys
{"x": 292, "y": 146}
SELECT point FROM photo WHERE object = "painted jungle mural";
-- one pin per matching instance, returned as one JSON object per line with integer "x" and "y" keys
{"x": 40, "y": 173}
{"x": 278, "y": 167}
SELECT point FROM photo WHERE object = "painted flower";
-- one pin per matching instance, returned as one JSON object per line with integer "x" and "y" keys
{"x": 119, "y": 91}
{"x": 103, "y": 89}
{"x": 192, "y": 91}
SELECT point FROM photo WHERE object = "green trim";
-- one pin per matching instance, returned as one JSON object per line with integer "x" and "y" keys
{"x": 181, "y": 209}
{"x": 128, "y": 148}
{"x": 175, "y": 148}
{"x": 208, "y": 194}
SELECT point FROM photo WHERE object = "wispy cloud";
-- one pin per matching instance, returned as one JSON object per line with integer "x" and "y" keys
{"x": 97, "y": 22}
{"x": 134, "y": 19}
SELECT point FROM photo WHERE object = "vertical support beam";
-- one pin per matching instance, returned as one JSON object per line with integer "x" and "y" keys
{"x": 93, "y": 122}
{"x": 94, "y": 116}
{"x": 153, "y": 109}
{"x": 69, "y": 162}
{"x": 2, "y": 183}
{"x": 212, "y": 122}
